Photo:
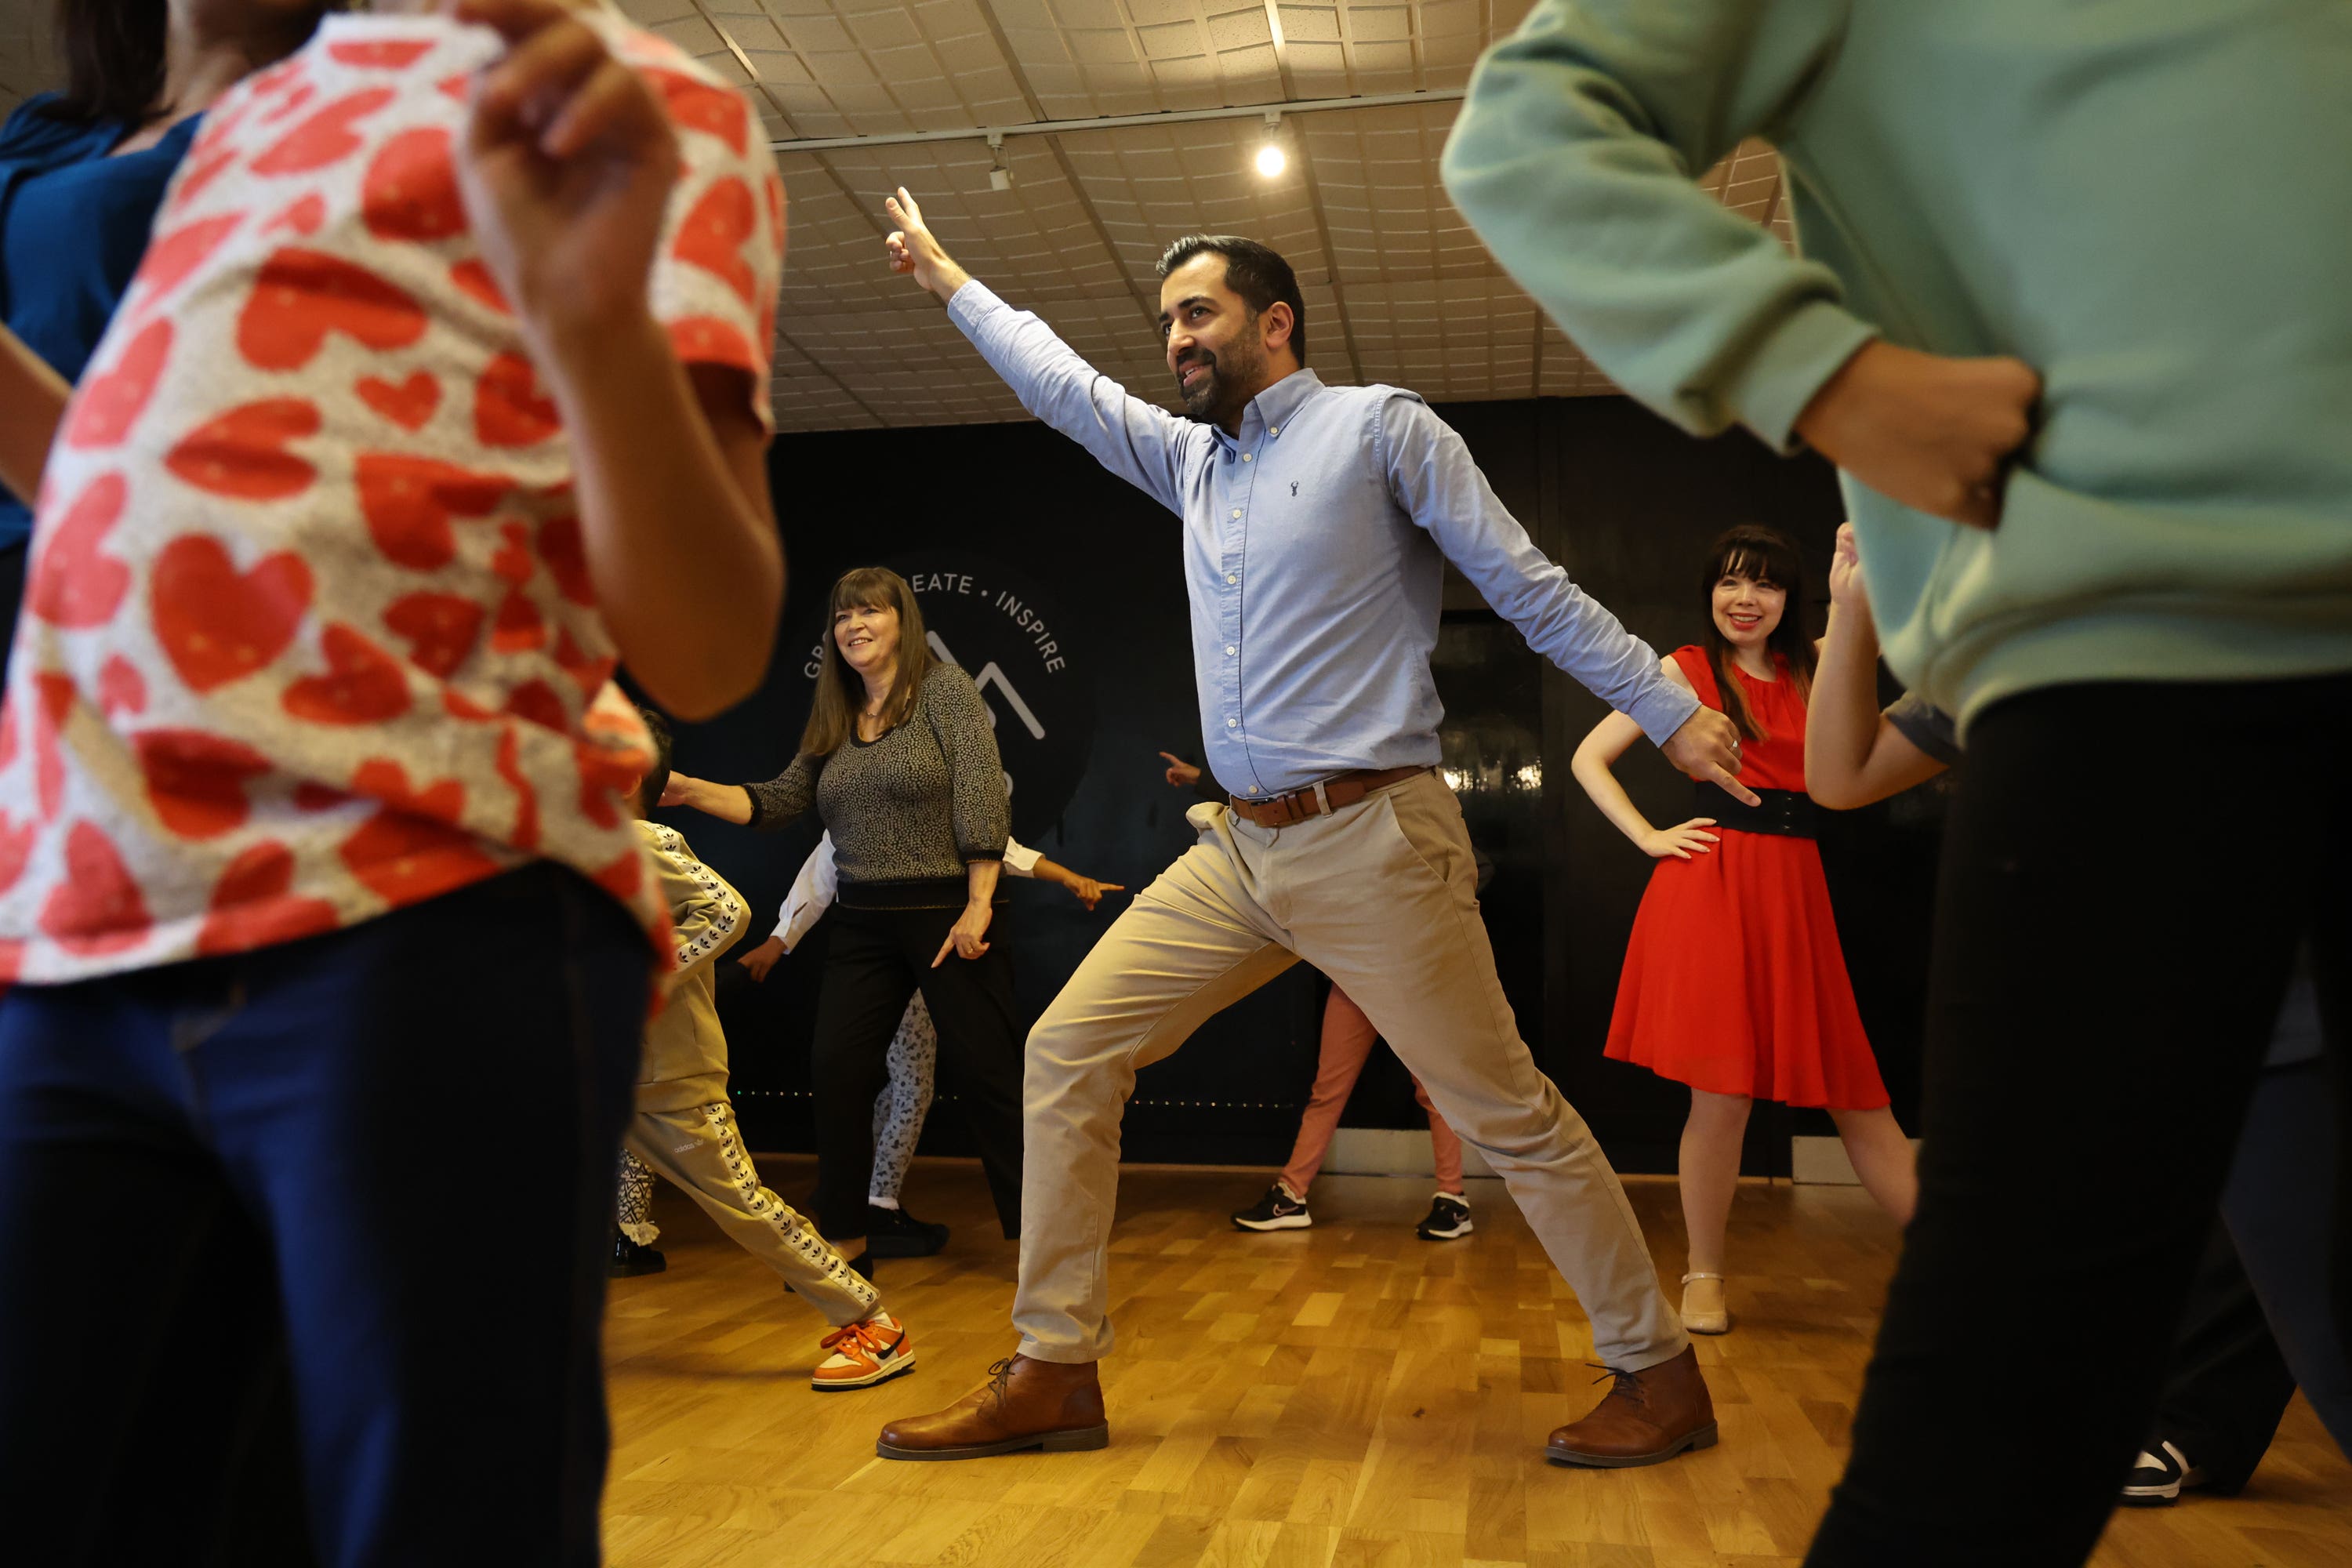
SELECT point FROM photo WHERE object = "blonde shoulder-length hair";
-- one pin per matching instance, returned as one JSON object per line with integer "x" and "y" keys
{"x": 841, "y": 690}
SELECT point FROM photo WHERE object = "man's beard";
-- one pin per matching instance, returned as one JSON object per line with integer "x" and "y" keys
{"x": 1205, "y": 397}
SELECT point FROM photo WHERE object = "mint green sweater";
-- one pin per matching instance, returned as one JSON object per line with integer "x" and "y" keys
{"x": 2148, "y": 201}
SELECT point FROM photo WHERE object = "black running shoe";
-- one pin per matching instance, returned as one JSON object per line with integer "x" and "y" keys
{"x": 895, "y": 1233}
{"x": 1280, "y": 1209}
{"x": 2160, "y": 1477}
{"x": 1449, "y": 1217}
{"x": 629, "y": 1260}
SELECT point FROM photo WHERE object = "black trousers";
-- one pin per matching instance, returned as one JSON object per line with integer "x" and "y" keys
{"x": 2126, "y": 872}
{"x": 214, "y": 1173}
{"x": 2228, "y": 1383}
{"x": 875, "y": 963}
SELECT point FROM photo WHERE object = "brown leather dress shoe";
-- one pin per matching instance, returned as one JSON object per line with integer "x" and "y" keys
{"x": 1024, "y": 1403}
{"x": 1647, "y": 1416}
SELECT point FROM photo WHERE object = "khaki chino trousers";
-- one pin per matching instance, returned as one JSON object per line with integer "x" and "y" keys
{"x": 1382, "y": 896}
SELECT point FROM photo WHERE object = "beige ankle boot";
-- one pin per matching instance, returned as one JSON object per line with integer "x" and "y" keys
{"x": 1703, "y": 1308}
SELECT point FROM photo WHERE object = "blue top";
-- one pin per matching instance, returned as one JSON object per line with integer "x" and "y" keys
{"x": 1315, "y": 551}
{"x": 73, "y": 225}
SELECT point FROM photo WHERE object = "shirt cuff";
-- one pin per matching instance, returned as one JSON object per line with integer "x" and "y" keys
{"x": 1020, "y": 860}
{"x": 1772, "y": 390}
{"x": 971, "y": 300}
{"x": 1663, "y": 711}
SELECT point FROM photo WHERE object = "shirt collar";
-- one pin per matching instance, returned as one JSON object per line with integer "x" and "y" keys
{"x": 1277, "y": 404}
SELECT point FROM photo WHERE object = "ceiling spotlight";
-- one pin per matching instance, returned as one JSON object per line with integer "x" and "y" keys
{"x": 1000, "y": 178}
{"x": 1271, "y": 159}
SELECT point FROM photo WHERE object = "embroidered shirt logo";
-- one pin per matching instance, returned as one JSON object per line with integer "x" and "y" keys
{"x": 1294, "y": 489}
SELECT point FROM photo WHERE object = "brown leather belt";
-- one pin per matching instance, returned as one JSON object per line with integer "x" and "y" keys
{"x": 1322, "y": 799}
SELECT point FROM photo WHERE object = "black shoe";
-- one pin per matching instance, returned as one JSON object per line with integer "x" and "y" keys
{"x": 895, "y": 1233}
{"x": 1449, "y": 1217}
{"x": 2161, "y": 1475}
{"x": 1278, "y": 1210}
{"x": 630, "y": 1259}
{"x": 864, "y": 1263}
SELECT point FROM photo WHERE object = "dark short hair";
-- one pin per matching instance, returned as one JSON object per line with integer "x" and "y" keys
{"x": 657, "y": 779}
{"x": 1256, "y": 272}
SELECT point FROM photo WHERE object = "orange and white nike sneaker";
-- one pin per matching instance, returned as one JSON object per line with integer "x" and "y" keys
{"x": 863, "y": 1354}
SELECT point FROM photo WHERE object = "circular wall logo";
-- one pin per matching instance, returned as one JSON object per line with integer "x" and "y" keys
{"x": 998, "y": 627}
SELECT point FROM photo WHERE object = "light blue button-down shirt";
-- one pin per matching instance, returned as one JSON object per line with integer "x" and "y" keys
{"x": 1315, "y": 544}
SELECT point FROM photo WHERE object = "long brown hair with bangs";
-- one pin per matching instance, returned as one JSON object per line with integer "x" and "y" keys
{"x": 841, "y": 690}
{"x": 1763, "y": 555}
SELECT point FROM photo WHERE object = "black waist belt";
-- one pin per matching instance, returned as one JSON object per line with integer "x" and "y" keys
{"x": 908, "y": 893}
{"x": 1786, "y": 812}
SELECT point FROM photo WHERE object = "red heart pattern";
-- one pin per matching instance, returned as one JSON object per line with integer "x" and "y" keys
{"x": 407, "y": 404}
{"x": 440, "y": 629}
{"x": 707, "y": 339}
{"x": 713, "y": 234}
{"x": 303, "y": 216}
{"x": 16, "y": 849}
{"x": 109, "y": 402}
{"x": 196, "y": 175}
{"x": 536, "y": 702}
{"x": 254, "y": 904}
{"x": 217, "y": 624}
{"x": 55, "y": 700}
{"x": 301, "y": 296}
{"x": 97, "y": 908}
{"x": 74, "y": 585}
{"x": 253, "y": 850}
{"x": 566, "y": 554}
{"x": 405, "y": 859}
{"x": 520, "y": 628}
{"x": 411, "y": 189}
{"x": 296, "y": 96}
{"x": 362, "y": 685}
{"x": 696, "y": 105}
{"x": 408, "y": 501}
{"x": 473, "y": 279}
{"x": 513, "y": 563}
{"x": 509, "y": 410}
{"x": 326, "y": 137}
{"x": 196, "y": 781}
{"x": 588, "y": 674}
{"x": 381, "y": 778}
{"x": 381, "y": 54}
{"x": 172, "y": 257}
{"x": 243, "y": 453}
{"x": 121, "y": 689}
{"x": 525, "y": 834}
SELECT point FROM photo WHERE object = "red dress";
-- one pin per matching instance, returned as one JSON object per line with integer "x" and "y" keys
{"x": 1734, "y": 982}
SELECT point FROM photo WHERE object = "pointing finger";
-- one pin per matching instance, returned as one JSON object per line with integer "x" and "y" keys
{"x": 1732, "y": 786}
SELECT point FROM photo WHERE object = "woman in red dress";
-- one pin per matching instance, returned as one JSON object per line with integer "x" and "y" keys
{"x": 1734, "y": 983}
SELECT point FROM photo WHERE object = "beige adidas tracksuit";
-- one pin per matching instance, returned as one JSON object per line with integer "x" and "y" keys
{"x": 684, "y": 1127}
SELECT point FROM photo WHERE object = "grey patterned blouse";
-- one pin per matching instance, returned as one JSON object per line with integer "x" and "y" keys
{"x": 907, "y": 811}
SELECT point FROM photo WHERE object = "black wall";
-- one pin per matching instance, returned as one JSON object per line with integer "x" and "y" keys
{"x": 1069, "y": 582}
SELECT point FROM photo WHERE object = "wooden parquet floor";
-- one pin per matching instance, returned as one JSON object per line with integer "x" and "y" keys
{"x": 1344, "y": 1397}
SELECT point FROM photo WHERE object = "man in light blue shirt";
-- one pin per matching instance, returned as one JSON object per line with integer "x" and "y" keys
{"x": 1316, "y": 524}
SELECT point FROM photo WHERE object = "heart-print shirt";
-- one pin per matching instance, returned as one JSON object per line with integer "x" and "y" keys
{"x": 308, "y": 633}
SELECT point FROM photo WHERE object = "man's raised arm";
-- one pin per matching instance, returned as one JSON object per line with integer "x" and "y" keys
{"x": 1433, "y": 477}
{"x": 1141, "y": 443}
